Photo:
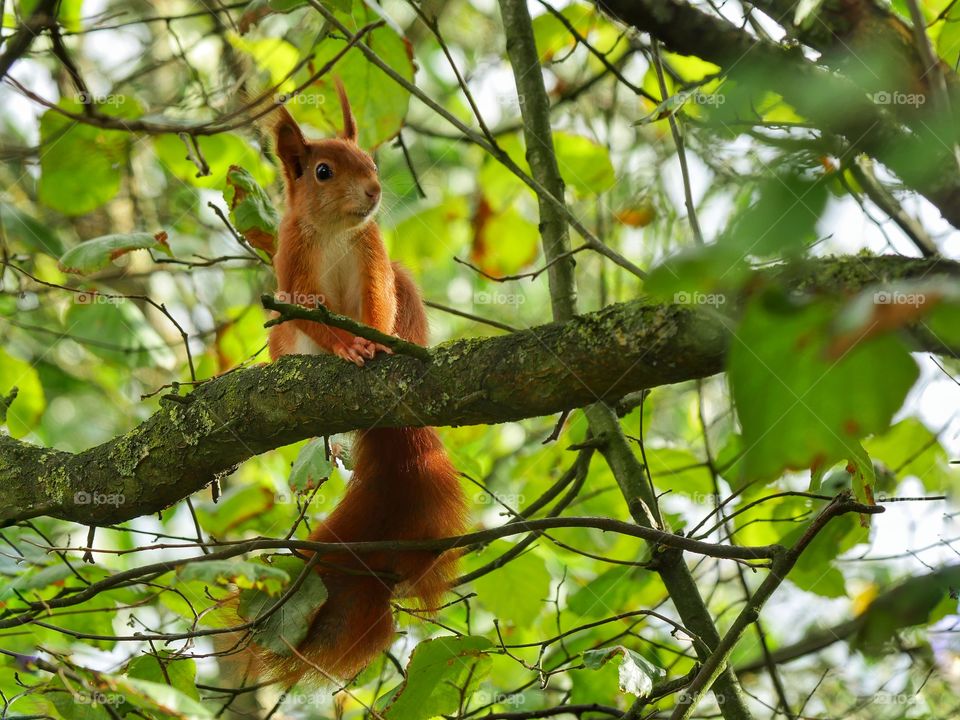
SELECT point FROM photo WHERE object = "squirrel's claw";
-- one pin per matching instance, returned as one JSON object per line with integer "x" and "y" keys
{"x": 368, "y": 349}
{"x": 363, "y": 346}
{"x": 359, "y": 349}
{"x": 349, "y": 353}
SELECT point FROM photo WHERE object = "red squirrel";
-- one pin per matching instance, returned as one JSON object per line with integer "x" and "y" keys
{"x": 403, "y": 485}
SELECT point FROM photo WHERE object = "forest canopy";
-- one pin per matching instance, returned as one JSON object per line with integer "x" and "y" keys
{"x": 691, "y": 271}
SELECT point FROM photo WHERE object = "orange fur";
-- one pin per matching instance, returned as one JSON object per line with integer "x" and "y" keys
{"x": 403, "y": 485}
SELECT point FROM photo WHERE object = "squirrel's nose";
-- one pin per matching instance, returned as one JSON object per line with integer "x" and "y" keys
{"x": 372, "y": 191}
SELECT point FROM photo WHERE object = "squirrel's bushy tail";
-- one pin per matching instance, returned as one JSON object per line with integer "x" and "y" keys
{"x": 403, "y": 488}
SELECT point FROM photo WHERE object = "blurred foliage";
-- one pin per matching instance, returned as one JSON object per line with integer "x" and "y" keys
{"x": 112, "y": 254}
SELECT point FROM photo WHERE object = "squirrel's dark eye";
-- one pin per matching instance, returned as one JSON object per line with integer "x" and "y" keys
{"x": 324, "y": 172}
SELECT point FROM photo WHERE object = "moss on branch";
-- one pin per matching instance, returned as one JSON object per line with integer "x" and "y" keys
{"x": 187, "y": 444}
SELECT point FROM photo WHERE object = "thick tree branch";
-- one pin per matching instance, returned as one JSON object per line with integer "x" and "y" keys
{"x": 195, "y": 438}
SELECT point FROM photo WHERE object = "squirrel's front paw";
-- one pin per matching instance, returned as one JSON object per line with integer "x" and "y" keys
{"x": 350, "y": 353}
{"x": 368, "y": 349}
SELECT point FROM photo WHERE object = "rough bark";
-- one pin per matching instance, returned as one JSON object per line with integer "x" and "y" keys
{"x": 195, "y": 438}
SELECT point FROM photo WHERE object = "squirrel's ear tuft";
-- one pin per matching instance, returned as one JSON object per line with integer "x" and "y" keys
{"x": 291, "y": 146}
{"x": 349, "y": 123}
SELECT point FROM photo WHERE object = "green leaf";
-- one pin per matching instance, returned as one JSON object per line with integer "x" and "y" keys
{"x": 529, "y": 584}
{"x": 798, "y": 403}
{"x": 909, "y": 449}
{"x": 436, "y": 670}
{"x": 608, "y": 593}
{"x": 815, "y": 571}
{"x": 770, "y": 521}
{"x": 948, "y": 42}
{"x": 219, "y": 151}
{"x": 238, "y": 508}
{"x": 81, "y": 165}
{"x": 864, "y": 476}
{"x": 507, "y": 243}
{"x": 670, "y": 106}
{"x": 287, "y": 626}
{"x": 275, "y": 55}
{"x": 243, "y": 337}
{"x": 908, "y": 604}
{"x": 432, "y": 233}
{"x": 256, "y": 10}
{"x": 706, "y": 277}
{"x": 690, "y": 68}
{"x": 96, "y": 254}
{"x": 96, "y": 618}
{"x": 25, "y": 410}
{"x": 637, "y": 674}
{"x": 32, "y": 581}
{"x": 80, "y": 704}
{"x": 311, "y": 467}
{"x": 584, "y": 164}
{"x": 28, "y": 231}
{"x": 783, "y": 218}
{"x": 552, "y": 36}
{"x": 251, "y": 211}
{"x": 160, "y": 697}
{"x": 181, "y": 672}
{"x": 116, "y": 330}
{"x": 379, "y": 104}
{"x": 68, "y": 12}
{"x": 680, "y": 471}
{"x": 243, "y": 573}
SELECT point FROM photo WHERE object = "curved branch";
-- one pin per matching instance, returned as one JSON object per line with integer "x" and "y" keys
{"x": 226, "y": 550}
{"x": 193, "y": 439}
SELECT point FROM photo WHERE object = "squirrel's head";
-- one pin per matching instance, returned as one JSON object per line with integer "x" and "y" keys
{"x": 331, "y": 184}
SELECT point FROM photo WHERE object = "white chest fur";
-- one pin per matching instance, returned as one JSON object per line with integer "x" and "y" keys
{"x": 338, "y": 274}
{"x": 338, "y": 279}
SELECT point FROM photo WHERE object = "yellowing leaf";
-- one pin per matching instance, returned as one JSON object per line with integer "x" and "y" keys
{"x": 96, "y": 254}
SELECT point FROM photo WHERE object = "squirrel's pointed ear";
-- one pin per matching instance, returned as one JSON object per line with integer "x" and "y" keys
{"x": 349, "y": 123}
{"x": 291, "y": 146}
